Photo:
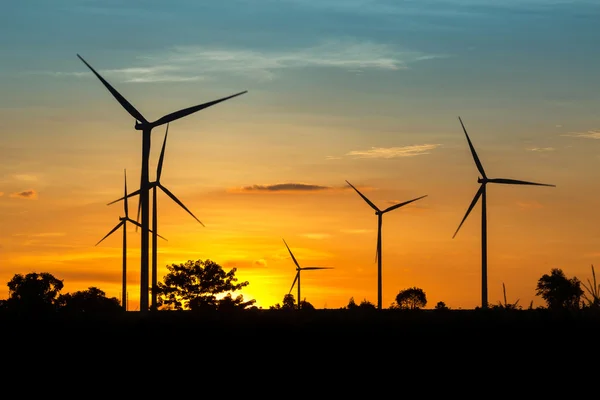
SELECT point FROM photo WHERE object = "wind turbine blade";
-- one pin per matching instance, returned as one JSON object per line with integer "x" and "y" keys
{"x": 176, "y": 200}
{"x": 516, "y": 182}
{"x": 126, "y": 203}
{"x": 126, "y": 105}
{"x": 401, "y": 204}
{"x": 123, "y": 198}
{"x": 139, "y": 226}
{"x": 187, "y": 111}
{"x": 139, "y": 210}
{"x": 364, "y": 197}
{"x": 293, "y": 283}
{"x": 477, "y": 162}
{"x": 316, "y": 268}
{"x": 162, "y": 156}
{"x": 293, "y": 258}
{"x": 111, "y": 232}
{"x": 477, "y": 196}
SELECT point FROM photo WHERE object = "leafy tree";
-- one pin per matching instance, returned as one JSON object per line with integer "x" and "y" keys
{"x": 228, "y": 303}
{"x": 289, "y": 302}
{"x": 366, "y": 305}
{"x": 441, "y": 306}
{"x": 92, "y": 300}
{"x": 411, "y": 298}
{"x": 305, "y": 305}
{"x": 558, "y": 291}
{"x": 33, "y": 293}
{"x": 351, "y": 304}
{"x": 195, "y": 285}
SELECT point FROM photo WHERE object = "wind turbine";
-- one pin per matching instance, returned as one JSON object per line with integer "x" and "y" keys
{"x": 122, "y": 223}
{"x": 379, "y": 214}
{"x": 298, "y": 269}
{"x": 481, "y": 192}
{"x": 142, "y": 124}
{"x": 153, "y": 186}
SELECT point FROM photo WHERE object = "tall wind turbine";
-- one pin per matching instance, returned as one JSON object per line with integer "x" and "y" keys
{"x": 142, "y": 124}
{"x": 481, "y": 193}
{"x": 123, "y": 223}
{"x": 379, "y": 214}
{"x": 153, "y": 186}
{"x": 298, "y": 269}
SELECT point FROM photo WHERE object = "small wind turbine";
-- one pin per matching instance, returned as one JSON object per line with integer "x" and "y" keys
{"x": 142, "y": 124}
{"x": 153, "y": 186}
{"x": 481, "y": 192}
{"x": 122, "y": 223}
{"x": 298, "y": 269}
{"x": 379, "y": 214}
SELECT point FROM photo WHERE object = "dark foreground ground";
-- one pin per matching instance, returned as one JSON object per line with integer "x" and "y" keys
{"x": 394, "y": 347}
{"x": 321, "y": 353}
{"x": 335, "y": 328}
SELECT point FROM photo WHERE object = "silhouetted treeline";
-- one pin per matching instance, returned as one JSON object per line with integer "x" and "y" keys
{"x": 204, "y": 287}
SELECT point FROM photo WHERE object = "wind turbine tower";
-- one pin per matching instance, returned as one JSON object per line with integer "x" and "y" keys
{"x": 298, "y": 269}
{"x": 123, "y": 223}
{"x": 379, "y": 214}
{"x": 145, "y": 126}
{"x": 153, "y": 186}
{"x": 481, "y": 193}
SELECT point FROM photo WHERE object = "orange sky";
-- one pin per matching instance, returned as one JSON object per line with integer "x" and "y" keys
{"x": 376, "y": 111}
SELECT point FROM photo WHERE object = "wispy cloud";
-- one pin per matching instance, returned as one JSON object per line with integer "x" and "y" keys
{"x": 281, "y": 187}
{"x": 183, "y": 63}
{"x": 48, "y": 234}
{"x": 317, "y": 236}
{"x": 593, "y": 134}
{"x": 260, "y": 263}
{"x": 27, "y": 194}
{"x": 393, "y": 152}
{"x": 541, "y": 149}
{"x": 355, "y": 231}
{"x": 530, "y": 205}
{"x": 25, "y": 177}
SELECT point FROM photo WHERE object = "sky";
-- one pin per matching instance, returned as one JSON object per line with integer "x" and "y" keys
{"x": 367, "y": 91}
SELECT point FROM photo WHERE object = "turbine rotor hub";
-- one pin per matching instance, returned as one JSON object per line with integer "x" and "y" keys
{"x": 482, "y": 180}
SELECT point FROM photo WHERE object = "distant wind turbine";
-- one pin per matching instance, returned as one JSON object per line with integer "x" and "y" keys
{"x": 122, "y": 223}
{"x": 379, "y": 214}
{"x": 298, "y": 269}
{"x": 153, "y": 186}
{"x": 142, "y": 124}
{"x": 481, "y": 192}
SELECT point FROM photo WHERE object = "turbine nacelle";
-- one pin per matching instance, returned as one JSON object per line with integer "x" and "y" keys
{"x": 482, "y": 180}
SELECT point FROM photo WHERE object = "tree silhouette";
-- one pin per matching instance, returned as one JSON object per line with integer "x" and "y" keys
{"x": 195, "y": 285}
{"x": 228, "y": 303}
{"x": 305, "y": 305}
{"x": 92, "y": 300}
{"x": 558, "y": 291}
{"x": 367, "y": 305}
{"x": 351, "y": 304}
{"x": 33, "y": 293}
{"x": 411, "y": 298}
{"x": 289, "y": 302}
{"x": 441, "y": 306}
